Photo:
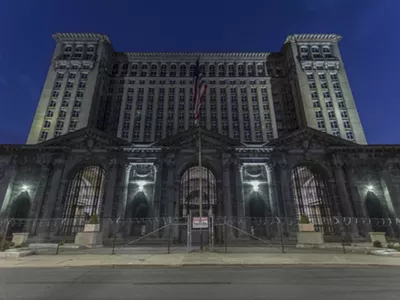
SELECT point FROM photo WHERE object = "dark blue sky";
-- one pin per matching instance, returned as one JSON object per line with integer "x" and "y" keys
{"x": 370, "y": 44}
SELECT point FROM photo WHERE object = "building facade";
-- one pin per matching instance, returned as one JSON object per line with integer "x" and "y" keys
{"x": 113, "y": 136}
{"x": 145, "y": 97}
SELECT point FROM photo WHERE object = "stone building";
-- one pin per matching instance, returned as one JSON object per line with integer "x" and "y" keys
{"x": 280, "y": 133}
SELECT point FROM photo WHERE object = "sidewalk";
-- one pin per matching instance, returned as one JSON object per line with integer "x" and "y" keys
{"x": 197, "y": 259}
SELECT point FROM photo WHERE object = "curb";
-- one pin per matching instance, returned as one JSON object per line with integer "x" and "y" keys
{"x": 218, "y": 265}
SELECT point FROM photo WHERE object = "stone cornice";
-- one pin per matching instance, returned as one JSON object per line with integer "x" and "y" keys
{"x": 310, "y": 37}
{"x": 7, "y": 148}
{"x": 60, "y": 37}
{"x": 195, "y": 55}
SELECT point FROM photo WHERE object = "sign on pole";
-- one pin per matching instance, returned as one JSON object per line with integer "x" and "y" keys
{"x": 200, "y": 222}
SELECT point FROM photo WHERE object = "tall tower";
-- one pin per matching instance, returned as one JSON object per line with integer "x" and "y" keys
{"x": 320, "y": 87}
{"x": 72, "y": 86}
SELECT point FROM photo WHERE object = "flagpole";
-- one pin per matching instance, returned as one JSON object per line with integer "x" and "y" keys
{"x": 201, "y": 189}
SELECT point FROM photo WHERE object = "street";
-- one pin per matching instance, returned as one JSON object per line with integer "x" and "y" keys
{"x": 201, "y": 283}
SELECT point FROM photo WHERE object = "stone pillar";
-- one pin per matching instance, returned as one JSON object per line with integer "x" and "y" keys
{"x": 157, "y": 195}
{"x": 56, "y": 178}
{"x": 343, "y": 195}
{"x": 391, "y": 195}
{"x": 361, "y": 210}
{"x": 124, "y": 187}
{"x": 240, "y": 204}
{"x": 39, "y": 198}
{"x": 7, "y": 176}
{"x": 226, "y": 187}
{"x": 170, "y": 191}
{"x": 285, "y": 191}
{"x": 107, "y": 226}
{"x": 271, "y": 191}
{"x": 40, "y": 193}
{"x": 55, "y": 189}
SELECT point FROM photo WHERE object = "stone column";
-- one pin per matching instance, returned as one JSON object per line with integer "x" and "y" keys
{"x": 361, "y": 211}
{"x": 391, "y": 195}
{"x": 107, "y": 226}
{"x": 7, "y": 176}
{"x": 56, "y": 188}
{"x": 285, "y": 191}
{"x": 40, "y": 193}
{"x": 240, "y": 204}
{"x": 170, "y": 191}
{"x": 124, "y": 187}
{"x": 343, "y": 195}
{"x": 157, "y": 195}
{"x": 226, "y": 187}
{"x": 38, "y": 199}
{"x": 271, "y": 191}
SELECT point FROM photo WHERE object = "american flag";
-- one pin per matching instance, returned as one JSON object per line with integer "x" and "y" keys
{"x": 199, "y": 91}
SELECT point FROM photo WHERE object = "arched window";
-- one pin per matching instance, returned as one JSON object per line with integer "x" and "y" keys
{"x": 241, "y": 70}
{"x": 163, "y": 71}
{"x": 211, "y": 71}
{"x": 202, "y": 69}
{"x": 182, "y": 71}
{"x": 84, "y": 198}
{"x": 190, "y": 191}
{"x": 231, "y": 70}
{"x": 260, "y": 70}
{"x": 249, "y": 70}
{"x": 221, "y": 70}
{"x": 312, "y": 197}
{"x": 191, "y": 70}
{"x": 172, "y": 70}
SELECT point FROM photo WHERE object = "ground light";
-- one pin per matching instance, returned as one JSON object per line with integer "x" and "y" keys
{"x": 141, "y": 185}
{"x": 255, "y": 185}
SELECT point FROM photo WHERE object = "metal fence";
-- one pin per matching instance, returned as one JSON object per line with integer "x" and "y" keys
{"x": 169, "y": 234}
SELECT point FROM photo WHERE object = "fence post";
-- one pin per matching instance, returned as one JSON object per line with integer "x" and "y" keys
{"x": 5, "y": 234}
{"x": 344, "y": 235}
{"x": 281, "y": 236}
{"x": 225, "y": 240}
{"x": 169, "y": 234}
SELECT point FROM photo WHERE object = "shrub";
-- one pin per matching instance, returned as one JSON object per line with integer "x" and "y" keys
{"x": 377, "y": 244}
{"x": 304, "y": 219}
{"x": 7, "y": 245}
{"x": 94, "y": 219}
{"x": 61, "y": 243}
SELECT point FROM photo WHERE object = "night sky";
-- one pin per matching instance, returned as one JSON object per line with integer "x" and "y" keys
{"x": 370, "y": 44}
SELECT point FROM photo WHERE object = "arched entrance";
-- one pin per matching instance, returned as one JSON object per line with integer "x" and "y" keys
{"x": 258, "y": 212}
{"x": 190, "y": 196}
{"x": 312, "y": 198}
{"x": 84, "y": 198}
{"x": 139, "y": 213}
{"x": 375, "y": 212}
{"x": 19, "y": 211}
{"x": 190, "y": 191}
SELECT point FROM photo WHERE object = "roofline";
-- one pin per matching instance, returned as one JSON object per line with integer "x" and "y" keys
{"x": 312, "y": 37}
{"x": 80, "y": 36}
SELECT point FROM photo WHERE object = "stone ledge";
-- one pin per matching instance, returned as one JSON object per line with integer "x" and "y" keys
{"x": 53, "y": 245}
{"x": 16, "y": 253}
{"x": 385, "y": 252}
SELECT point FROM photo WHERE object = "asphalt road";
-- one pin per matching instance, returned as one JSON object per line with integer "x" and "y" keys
{"x": 202, "y": 283}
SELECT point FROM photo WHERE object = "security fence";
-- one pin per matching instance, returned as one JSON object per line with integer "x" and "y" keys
{"x": 171, "y": 234}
